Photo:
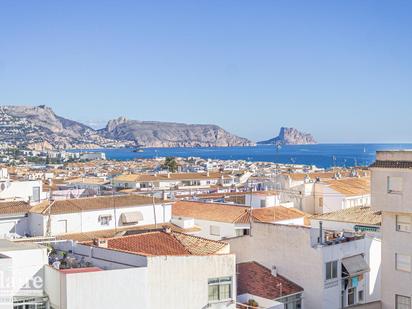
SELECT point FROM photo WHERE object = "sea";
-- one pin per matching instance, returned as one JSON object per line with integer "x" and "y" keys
{"x": 321, "y": 155}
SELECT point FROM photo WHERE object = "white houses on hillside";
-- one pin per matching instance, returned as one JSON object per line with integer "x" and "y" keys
{"x": 169, "y": 181}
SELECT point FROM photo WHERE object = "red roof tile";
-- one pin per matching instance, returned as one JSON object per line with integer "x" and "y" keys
{"x": 258, "y": 280}
{"x": 163, "y": 243}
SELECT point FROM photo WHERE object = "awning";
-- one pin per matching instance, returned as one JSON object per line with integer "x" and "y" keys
{"x": 355, "y": 265}
{"x": 131, "y": 217}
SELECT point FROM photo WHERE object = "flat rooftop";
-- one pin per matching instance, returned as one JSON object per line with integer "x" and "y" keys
{"x": 8, "y": 245}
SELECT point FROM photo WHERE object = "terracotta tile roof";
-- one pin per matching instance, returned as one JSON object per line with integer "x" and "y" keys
{"x": 163, "y": 243}
{"x": 351, "y": 186}
{"x": 313, "y": 176}
{"x": 14, "y": 208}
{"x": 255, "y": 279}
{"x": 111, "y": 233}
{"x": 168, "y": 177}
{"x": 233, "y": 213}
{"x": 211, "y": 211}
{"x": 358, "y": 215}
{"x": 391, "y": 164}
{"x": 93, "y": 203}
{"x": 277, "y": 213}
{"x": 88, "y": 180}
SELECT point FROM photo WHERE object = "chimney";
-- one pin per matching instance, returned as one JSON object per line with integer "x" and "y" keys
{"x": 164, "y": 195}
{"x": 168, "y": 175}
{"x": 167, "y": 230}
{"x": 274, "y": 271}
{"x": 100, "y": 242}
{"x": 207, "y": 173}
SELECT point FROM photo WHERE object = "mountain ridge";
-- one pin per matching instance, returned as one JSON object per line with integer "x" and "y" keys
{"x": 38, "y": 127}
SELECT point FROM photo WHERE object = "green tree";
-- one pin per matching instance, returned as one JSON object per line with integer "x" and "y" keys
{"x": 171, "y": 164}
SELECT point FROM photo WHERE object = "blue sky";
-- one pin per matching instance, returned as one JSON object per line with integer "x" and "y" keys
{"x": 341, "y": 70}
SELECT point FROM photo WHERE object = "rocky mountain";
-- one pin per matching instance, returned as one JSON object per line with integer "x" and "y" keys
{"x": 290, "y": 136}
{"x": 38, "y": 127}
{"x": 169, "y": 134}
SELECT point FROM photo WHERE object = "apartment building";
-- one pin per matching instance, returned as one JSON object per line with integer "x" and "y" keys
{"x": 391, "y": 185}
{"x": 335, "y": 270}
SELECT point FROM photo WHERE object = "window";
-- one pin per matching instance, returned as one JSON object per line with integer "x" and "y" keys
{"x": 36, "y": 194}
{"x": 291, "y": 302}
{"x": 351, "y": 296}
{"x": 394, "y": 184}
{"x": 403, "y": 262}
{"x": 331, "y": 270}
{"x": 242, "y": 232}
{"x": 403, "y": 223}
{"x": 220, "y": 289}
{"x": 105, "y": 219}
{"x": 402, "y": 302}
{"x": 262, "y": 203}
{"x": 215, "y": 230}
{"x": 360, "y": 296}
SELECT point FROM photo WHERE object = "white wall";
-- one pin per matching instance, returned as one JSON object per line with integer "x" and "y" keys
{"x": 120, "y": 288}
{"x": 87, "y": 221}
{"x": 21, "y": 190}
{"x": 288, "y": 248}
{"x": 14, "y": 225}
{"x": 227, "y": 230}
{"x": 27, "y": 264}
{"x": 255, "y": 200}
{"x": 262, "y": 302}
{"x": 182, "y": 281}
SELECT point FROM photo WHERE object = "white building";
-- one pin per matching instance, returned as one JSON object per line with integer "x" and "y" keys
{"x": 14, "y": 219}
{"x": 97, "y": 213}
{"x": 89, "y": 156}
{"x": 334, "y": 271}
{"x": 316, "y": 193}
{"x": 261, "y": 199}
{"x": 28, "y": 191}
{"x": 392, "y": 194}
{"x": 22, "y": 276}
{"x": 218, "y": 221}
{"x": 177, "y": 181}
{"x": 150, "y": 270}
{"x": 353, "y": 219}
